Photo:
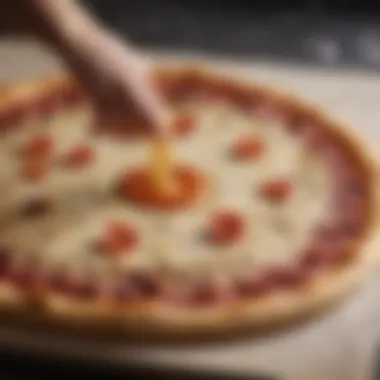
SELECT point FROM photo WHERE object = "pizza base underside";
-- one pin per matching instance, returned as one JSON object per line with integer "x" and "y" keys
{"x": 157, "y": 320}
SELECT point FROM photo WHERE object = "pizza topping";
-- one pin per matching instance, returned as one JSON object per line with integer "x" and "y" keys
{"x": 206, "y": 294}
{"x": 184, "y": 125}
{"x": 47, "y": 104}
{"x": 60, "y": 282}
{"x": 216, "y": 92}
{"x": 35, "y": 166}
{"x": 355, "y": 191}
{"x": 265, "y": 110}
{"x": 161, "y": 170}
{"x": 36, "y": 207}
{"x": 247, "y": 100}
{"x": 348, "y": 205}
{"x": 349, "y": 183}
{"x": 350, "y": 228}
{"x": 138, "y": 186}
{"x": 12, "y": 116}
{"x": 39, "y": 146}
{"x": 297, "y": 121}
{"x": 125, "y": 291}
{"x": 247, "y": 148}
{"x": 343, "y": 256}
{"x": 71, "y": 94}
{"x": 336, "y": 237}
{"x": 145, "y": 284}
{"x": 289, "y": 276}
{"x": 23, "y": 277}
{"x": 254, "y": 286}
{"x": 5, "y": 261}
{"x": 226, "y": 228}
{"x": 319, "y": 258}
{"x": 84, "y": 289}
{"x": 314, "y": 259}
{"x": 137, "y": 286}
{"x": 35, "y": 170}
{"x": 80, "y": 156}
{"x": 277, "y": 190}
{"x": 118, "y": 238}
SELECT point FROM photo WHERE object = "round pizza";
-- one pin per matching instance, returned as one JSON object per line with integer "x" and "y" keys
{"x": 257, "y": 211}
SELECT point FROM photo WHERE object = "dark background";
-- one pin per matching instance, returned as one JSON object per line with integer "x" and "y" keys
{"x": 332, "y": 33}
{"x": 322, "y": 32}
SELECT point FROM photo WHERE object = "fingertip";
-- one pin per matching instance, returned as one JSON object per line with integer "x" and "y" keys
{"x": 163, "y": 125}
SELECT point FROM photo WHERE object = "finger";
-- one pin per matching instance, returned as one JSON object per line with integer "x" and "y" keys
{"x": 158, "y": 115}
{"x": 152, "y": 106}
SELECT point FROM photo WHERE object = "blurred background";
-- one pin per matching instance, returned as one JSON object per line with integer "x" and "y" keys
{"x": 338, "y": 42}
{"x": 324, "y": 32}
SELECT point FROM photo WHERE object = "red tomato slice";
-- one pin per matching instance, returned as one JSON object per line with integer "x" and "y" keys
{"x": 80, "y": 156}
{"x": 118, "y": 237}
{"x": 184, "y": 125}
{"x": 36, "y": 207}
{"x": 35, "y": 171}
{"x": 226, "y": 228}
{"x": 247, "y": 148}
{"x": 39, "y": 146}
{"x": 277, "y": 190}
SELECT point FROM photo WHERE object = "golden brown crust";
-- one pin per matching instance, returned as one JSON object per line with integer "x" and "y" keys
{"x": 12, "y": 94}
{"x": 157, "y": 319}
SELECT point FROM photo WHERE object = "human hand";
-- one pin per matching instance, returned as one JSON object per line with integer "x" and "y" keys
{"x": 120, "y": 82}
{"x": 116, "y": 76}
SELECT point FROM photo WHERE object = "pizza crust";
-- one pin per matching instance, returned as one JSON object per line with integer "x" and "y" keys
{"x": 13, "y": 94}
{"x": 158, "y": 320}
{"x": 155, "y": 321}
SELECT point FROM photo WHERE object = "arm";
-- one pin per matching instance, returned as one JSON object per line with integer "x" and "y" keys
{"x": 58, "y": 22}
{"x": 116, "y": 75}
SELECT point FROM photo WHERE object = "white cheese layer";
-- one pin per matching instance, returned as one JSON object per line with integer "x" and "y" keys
{"x": 85, "y": 199}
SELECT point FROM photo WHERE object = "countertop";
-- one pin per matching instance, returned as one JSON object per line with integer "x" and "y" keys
{"x": 339, "y": 345}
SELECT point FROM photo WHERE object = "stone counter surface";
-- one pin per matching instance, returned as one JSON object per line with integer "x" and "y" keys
{"x": 337, "y": 346}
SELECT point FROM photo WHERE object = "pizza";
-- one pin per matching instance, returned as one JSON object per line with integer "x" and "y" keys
{"x": 270, "y": 215}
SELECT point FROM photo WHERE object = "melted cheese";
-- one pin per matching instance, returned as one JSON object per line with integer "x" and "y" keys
{"x": 161, "y": 166}
{"x": 85, "y": 199}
